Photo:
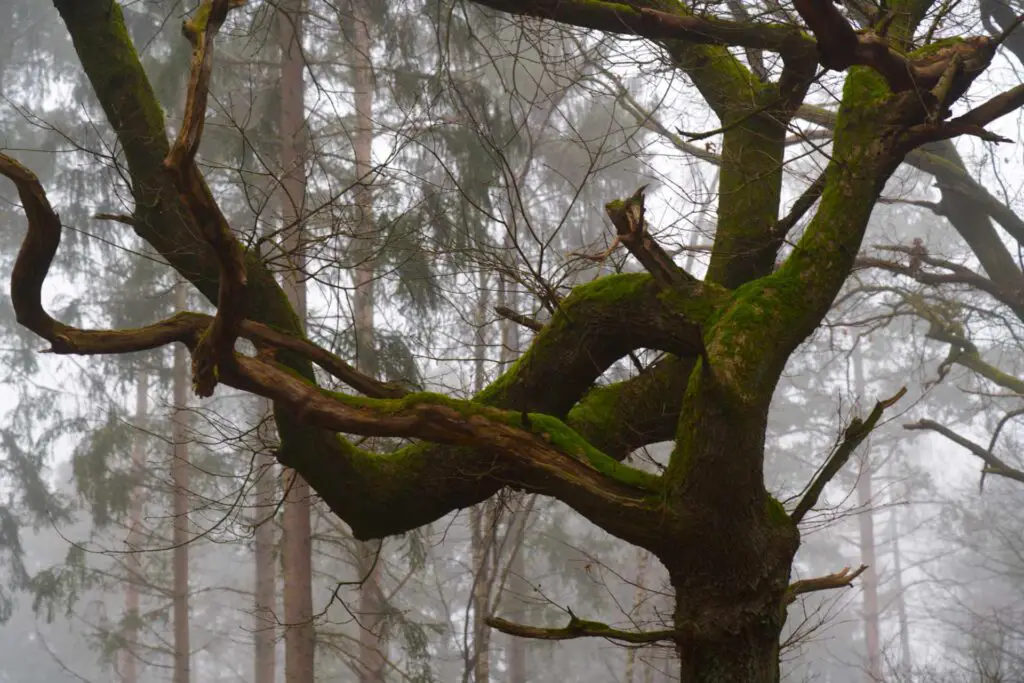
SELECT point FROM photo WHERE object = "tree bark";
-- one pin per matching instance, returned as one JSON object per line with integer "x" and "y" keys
{"x": 296, "y": 550}
{"x": 180, "y": 473}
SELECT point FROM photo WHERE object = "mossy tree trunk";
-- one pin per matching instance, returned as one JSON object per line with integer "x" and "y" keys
{"x": 542, "y": 426}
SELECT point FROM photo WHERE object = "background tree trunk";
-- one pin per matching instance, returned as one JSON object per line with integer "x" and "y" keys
{"x": 372, "y": 647}
{"x": 296, "y": 561}
{"x": 866, "y": 520}
{"x": 265, "y": 595}
{"x": 481, "y": 522}
{"x": 129, "y": 657}
{"x": 180, "y": 474}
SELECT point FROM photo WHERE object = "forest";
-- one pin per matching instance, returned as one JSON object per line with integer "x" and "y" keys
{"x": 551, "y": 341}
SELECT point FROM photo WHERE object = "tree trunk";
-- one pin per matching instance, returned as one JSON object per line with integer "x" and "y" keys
{"x": 180, "y": 473}
{"x": 129, "y": 658}
{"x": 729, "y": 595}
{"x": 300, "y": 636}
{"x": 869, "y": 579}
{"x": 372, "y": 653}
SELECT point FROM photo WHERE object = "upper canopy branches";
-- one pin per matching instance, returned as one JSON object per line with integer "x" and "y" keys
{"x": 835, "y": 45}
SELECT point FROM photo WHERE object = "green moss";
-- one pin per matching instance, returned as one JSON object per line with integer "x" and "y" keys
{"x": 607, "y": 289}
{"x": 935, "y": 47}
{"x": 596, "y": 413}
{"x": 776, "y": 511}
{"x": 567, "y": 440}
{"x": 699, "y": 305}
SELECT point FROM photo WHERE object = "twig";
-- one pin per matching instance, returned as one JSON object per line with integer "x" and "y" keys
{"x": 524, "y": 320}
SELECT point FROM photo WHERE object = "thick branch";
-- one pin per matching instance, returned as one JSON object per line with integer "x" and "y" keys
{"x": 622, "y": 417}
{"x": 993, "y": 464}
{"x": 660, "y": 24}
{"x": 217, "y": 345}
{"x": 855, "y": 433}
{"x": 580, "y": 628}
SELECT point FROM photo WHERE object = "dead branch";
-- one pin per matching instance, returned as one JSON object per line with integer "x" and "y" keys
{"x": 840, "y": 579}
{"x": 628, "y": 218}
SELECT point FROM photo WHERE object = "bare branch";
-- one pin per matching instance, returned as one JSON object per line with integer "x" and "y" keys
{"x": 840, "y": 579}
{"x": 519, "y": 318}
{"x": 993, "y": 464}
{"x": 800, "y": 207}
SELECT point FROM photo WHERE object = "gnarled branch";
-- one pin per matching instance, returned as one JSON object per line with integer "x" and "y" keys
{"x": 216, "y": 347}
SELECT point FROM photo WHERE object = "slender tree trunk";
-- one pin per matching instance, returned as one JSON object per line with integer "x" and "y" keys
{"x": 869, "y": 579}
{"x": 297, "y": 566}
{"x": 515, "y": 648}
{"x": 180, "y": 473}
{"x": 372, "y": 647}
{"x": 905, "y": 664}
{"x": 265, "y": 631}
{"x": 129, "y": 658}
{"x": 642, "y": 558}
{"x": 482, "y": 529}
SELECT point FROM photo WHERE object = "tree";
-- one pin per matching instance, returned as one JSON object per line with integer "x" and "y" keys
{"x": 727, "y": 544}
